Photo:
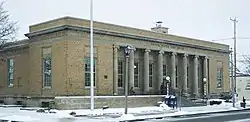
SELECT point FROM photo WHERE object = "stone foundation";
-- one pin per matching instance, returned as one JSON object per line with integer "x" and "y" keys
{"x": 26, "y": 101}
{"x": 83, "y": 102}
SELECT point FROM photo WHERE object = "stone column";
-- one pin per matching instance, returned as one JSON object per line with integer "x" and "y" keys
{"x": 173, "y": 76}
{"x": 131, "y": 68}
{"x": 115, "y": 69}
{"x": 160, "y": 70}
{"x": 205, "y": 75}
{"x": 146, "y": 71}
{"x": 195, "y": 83}
{"x": 185, "y": 75}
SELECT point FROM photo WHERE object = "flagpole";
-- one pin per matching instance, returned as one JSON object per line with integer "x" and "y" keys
{"x": 91, "y": 58}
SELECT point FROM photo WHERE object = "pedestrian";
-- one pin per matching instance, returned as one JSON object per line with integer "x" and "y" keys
{"x": 132, "y": 92}
{"x": 169, "y": 101}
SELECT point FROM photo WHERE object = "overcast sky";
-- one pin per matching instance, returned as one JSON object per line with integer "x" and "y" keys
{"x": 202, "y": 19}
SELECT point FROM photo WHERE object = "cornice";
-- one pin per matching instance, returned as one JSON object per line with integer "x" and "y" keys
{"x": 124, "y": 35}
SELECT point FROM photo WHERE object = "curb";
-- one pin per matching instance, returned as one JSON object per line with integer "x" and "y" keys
{"x": 199, "y": 114}
{"x": 188, "y": 115}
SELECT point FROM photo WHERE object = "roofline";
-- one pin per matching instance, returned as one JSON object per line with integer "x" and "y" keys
{"x": 119, "y": 34}
{"x": 19, "y": 44}
{"x": 52, "y": 20}
{"x": 121, "y": 26}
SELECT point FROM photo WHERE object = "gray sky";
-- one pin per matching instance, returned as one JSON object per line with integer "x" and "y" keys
{"x": 202, "y": 19}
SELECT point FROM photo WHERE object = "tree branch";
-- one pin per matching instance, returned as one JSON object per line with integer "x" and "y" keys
{"x": 246, "y": 62}
{"x": 8, "y": 28}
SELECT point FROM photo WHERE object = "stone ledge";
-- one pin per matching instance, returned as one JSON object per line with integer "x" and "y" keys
{"x": 83, "y": 102}
{"x": 133, "y": 96}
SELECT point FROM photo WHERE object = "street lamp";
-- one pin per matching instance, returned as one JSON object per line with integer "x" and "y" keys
{"x": 205, "y": 86}
{"x": 127, "y": 53}
{"x": 92, "y": 106}
{"x": 167, "y": 78}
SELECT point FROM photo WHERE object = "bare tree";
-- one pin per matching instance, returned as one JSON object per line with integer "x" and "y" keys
{"x": 246, "y": 62}
{"x": 8, "y": 28}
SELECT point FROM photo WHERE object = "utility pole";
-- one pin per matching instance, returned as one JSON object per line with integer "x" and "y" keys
{"x": 234, "y": 82}
{"x": 231, "y": 69}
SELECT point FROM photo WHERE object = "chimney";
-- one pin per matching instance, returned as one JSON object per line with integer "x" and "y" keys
{"x": 159, "y": 28}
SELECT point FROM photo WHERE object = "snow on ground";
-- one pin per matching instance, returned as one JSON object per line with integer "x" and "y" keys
{"x": 110, "y": 114}
{"x": 241, "y": 120}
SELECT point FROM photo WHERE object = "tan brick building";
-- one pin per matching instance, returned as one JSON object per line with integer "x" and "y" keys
{"x": 54, "y": 61}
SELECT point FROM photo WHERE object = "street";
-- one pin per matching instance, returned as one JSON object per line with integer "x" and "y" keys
{"x": 221, "y": 117}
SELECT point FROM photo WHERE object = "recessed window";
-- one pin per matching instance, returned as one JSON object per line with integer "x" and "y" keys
{"x": 164, "y": 70}
{"x": 136, "y": 74}
{"x": 120, "y": 74}
{"x": 88, "y": 73}
{"x": 47, "y": 67}
{"x": 219, "y": 74}
{"x": 151, "y": 75}
{"x": 10, "y": 72}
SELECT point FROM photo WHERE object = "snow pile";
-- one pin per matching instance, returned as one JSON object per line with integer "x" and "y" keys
{"x": 97, "y": 112}
{"x": 126, "y": 117}
{"x": 180, "y": 113}
{"x": 18, "y": 118}
{"x": 63, "y": 115}
{"x": 163, "y": 107}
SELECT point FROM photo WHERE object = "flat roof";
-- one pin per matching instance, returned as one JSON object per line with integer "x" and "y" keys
{"x": 78, "y": 22}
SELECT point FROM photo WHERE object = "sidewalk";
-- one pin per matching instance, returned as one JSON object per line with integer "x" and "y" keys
{"x": 144, "y": 113}
{"x": 185, "y": 111}
{"x": 116, "y": 114}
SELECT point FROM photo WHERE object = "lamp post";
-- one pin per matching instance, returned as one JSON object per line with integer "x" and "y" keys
{"x": 167, "y": 78}
{"x": 205, "y": 87}
{"x": 127, "y": 53}
{"x": 91, "y": 58}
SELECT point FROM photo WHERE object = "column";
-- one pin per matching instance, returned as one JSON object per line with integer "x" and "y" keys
{"x": 195, "y": 83}
{"x": 205, "y": 75}
{"x": 185, "y": 75}
{"x": 146, "y": 71}
{"x": 115, "y": 69}
{"x": 160, "y": 70}
{"x": 173, "y": 76}
{"x": 131, "y": 68}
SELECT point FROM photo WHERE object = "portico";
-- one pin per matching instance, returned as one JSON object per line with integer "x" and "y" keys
{"x": 159, "y": 58}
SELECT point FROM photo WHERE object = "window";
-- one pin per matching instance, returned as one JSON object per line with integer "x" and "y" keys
{"x": 188, "y": 84}
{"x": 199, "y": 71}
{"x": 47, "y": 68}
{"x": 219, "y": 74}
{"x": 10, "y": 72}
{"x": 164, "y": 70}
{"x": 120, "y": 74}
{"x": 136, "y": 75}
{"x": 151, "y": 75}
{"x": 87, "y": 71}
{"x": 176, "y": 76}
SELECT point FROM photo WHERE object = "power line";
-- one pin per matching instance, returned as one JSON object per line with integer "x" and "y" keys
{"x": 243, "y": 38}
{"x": 225, "y": 39}
{"x": 222, "y": 39}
